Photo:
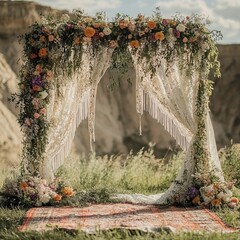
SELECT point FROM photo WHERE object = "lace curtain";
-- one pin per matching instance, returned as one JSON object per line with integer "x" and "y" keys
{"x": 170, "y": 97}
{"x": 74, "y": 102}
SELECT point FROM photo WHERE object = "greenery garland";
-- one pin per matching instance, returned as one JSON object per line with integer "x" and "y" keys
{"x": 54, "y": 47}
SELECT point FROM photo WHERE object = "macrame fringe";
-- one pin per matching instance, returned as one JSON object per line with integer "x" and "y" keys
{"x": 162, "y": 115}
{"x": 81, "y": 114}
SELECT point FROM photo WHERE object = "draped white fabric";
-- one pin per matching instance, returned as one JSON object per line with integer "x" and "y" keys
{"x": 74, "y": 103}
{"x": 170, "y": 98}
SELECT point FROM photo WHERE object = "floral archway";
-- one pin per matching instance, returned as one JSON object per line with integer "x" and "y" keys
{"x": 65, "y": 60}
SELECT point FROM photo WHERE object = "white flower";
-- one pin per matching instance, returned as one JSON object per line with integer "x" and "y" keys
{"x": 45, "y": 198}
{"x": 224, "y": 196}
{"x": 107, "y": 31}
{"x": 38, "y": 203}
{"x": 131, "y": 26}
{"x": 180, "y": 27}
{"x": 43, "y": 94}
{"x": 204, "y": 46}
{"x": 170, "y": 36}
{"x": 65, "y": 17}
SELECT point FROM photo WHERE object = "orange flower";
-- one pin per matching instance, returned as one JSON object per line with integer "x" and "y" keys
{"x": 196, "y": 200}
{"x": 216, "y": 202}
{"x": 159, "y": 36}
{"x": 57, "y": 198}
{"x": 89, "y": 32}
{"x": 42, "y": 52}
{"x": 134, "y": 44}
{"x": 42, "y": 38}
{"x": 234, "y": 200}
{"x": 77, "y": 40}
{"x": 23, "y": 186}
{"x": 36, "y": 88}
{"x": 151, "y": 24}
{"x": 50, "y": 38}
{"x": 68, "y": 191}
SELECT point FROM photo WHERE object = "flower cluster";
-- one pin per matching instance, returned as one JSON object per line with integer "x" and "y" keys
{"x": 33, "y": 191}
{"x": 213, "y": 195}
{"x": 54, "y": 47}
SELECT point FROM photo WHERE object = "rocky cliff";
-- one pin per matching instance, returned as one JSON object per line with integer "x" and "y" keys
{"x": 116, "y": 118}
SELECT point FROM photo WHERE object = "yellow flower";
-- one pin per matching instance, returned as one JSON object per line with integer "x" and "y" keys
{"x": 68, "y": 191}
{"x": 42, "y": 52}
{"x": 151, "y": 24}
{"x": 134, "y": 44}
{"x": 216, "y": 202}
{"x": 89, "y": 32}
{"x": 159, "y": 36}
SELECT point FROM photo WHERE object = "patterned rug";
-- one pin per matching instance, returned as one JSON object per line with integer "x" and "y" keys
{"x": 121, "y": 215}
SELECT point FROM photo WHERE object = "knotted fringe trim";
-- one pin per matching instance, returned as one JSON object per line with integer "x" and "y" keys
{"x": 81, "y": 114}
{"x": 177, "y": 130}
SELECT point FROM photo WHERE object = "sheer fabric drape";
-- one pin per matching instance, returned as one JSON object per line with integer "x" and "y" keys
{"x": 170, "y": 97}
{"x": 74, "y": 102}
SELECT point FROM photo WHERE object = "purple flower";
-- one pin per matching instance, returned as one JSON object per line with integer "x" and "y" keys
{"x": 176, "y": 33}
{"x": 37, "y": 80}
{"x": 165, "y": 22}
{"x": 192, "y": 192}
{"x": 33, "y": 197}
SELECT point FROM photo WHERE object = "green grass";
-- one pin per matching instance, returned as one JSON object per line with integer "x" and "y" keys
{"x": 97, "y": 177}
{"x": 140, "y": 173}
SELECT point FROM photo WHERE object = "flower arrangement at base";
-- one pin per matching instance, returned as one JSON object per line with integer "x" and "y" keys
{"x": 33, "y": 191}
{"x": 215, "y": 195}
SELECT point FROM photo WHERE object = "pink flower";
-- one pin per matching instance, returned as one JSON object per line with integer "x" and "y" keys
{"x": 35, "y": 103}
{"x": 165, "y": 21}
{"x": 113, "y": 44}
{"x": 43, "y": 111}
{"x": 185, "y": 40}
{"x": 27, "y": 122}
{"x": 101, "y": 34}
{"x": 36, "y": 115}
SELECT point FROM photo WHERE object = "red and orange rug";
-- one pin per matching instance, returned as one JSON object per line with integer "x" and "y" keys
{"x": 121, "y": 215}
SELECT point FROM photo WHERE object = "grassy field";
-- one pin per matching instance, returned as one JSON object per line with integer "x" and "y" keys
{"x": 97, "y": 177}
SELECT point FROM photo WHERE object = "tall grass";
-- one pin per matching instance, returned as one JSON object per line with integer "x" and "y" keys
{"x": 142, "y": 173}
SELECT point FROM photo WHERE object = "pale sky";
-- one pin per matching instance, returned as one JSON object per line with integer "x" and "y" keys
{"x": 224, "y": 14}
